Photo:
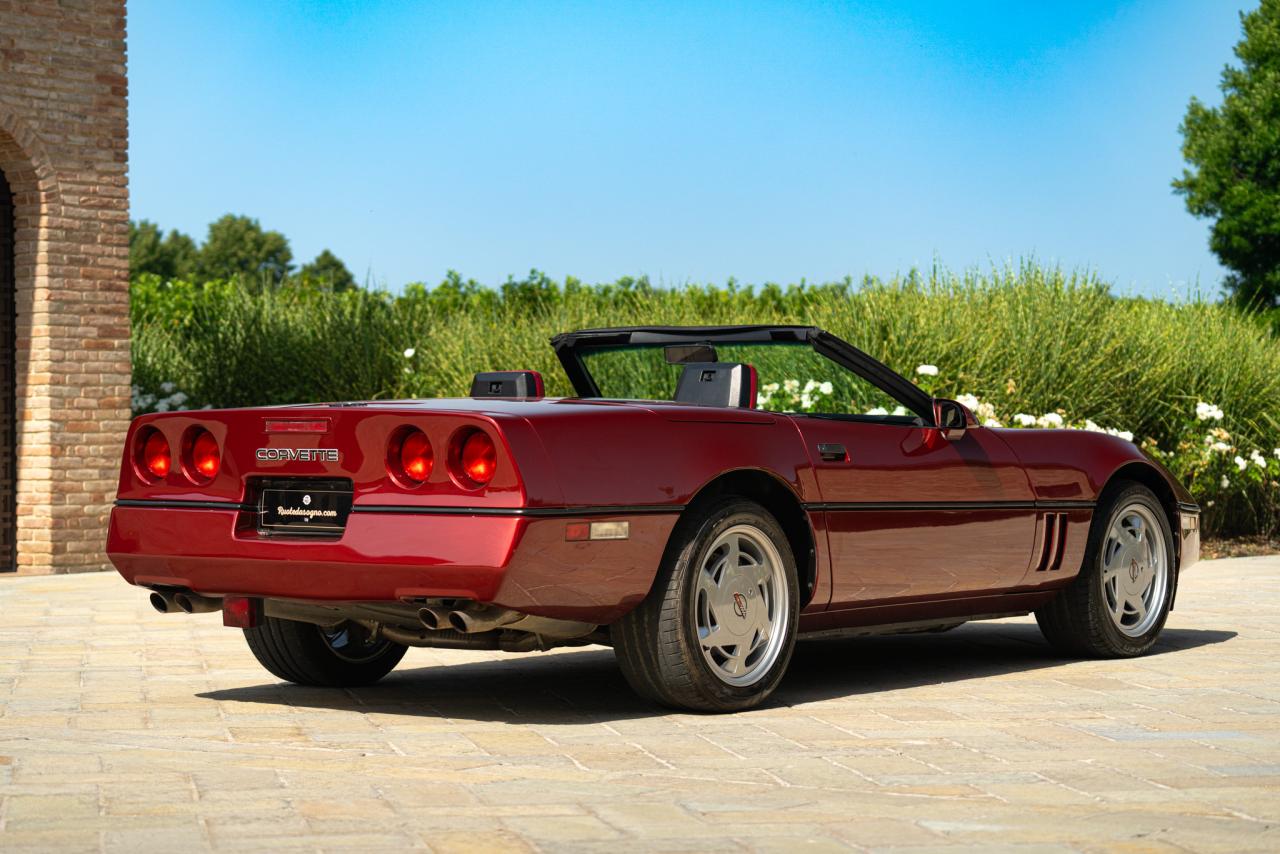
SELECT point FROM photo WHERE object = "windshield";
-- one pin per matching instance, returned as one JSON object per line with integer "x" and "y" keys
{"x": 792, "y": 377}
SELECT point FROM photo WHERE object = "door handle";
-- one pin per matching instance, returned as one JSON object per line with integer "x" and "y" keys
{"x": 832, "y": 452}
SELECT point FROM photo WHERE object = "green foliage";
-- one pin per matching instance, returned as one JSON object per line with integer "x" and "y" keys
{"x": 1024, "y": 341}
{"x": 170, "y": 257}
{"x": 238, "y": 247}
{"x": 328, "y": 272}
{"x": 1234, "y": 152}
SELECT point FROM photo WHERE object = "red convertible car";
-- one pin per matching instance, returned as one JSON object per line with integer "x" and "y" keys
{"x": 674, "y": 509}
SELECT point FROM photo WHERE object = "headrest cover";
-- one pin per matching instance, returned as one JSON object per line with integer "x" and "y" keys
{"x": 717, "y": 384}
{"x": 507, "y": 384}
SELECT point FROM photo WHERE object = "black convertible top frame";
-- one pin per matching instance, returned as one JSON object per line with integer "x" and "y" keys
{"x": 570, "y": 347}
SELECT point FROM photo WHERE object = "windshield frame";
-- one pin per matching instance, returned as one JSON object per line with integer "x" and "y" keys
{"x": 571, "y": 346}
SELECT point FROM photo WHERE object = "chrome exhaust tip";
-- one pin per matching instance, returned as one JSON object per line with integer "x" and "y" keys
{"x": 161, "y": 602}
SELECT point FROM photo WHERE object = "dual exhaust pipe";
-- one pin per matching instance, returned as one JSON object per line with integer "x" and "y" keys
{"x": 168, "y": 601}
{"x": 476, "y": 618}
{"x": 467, "y": 621}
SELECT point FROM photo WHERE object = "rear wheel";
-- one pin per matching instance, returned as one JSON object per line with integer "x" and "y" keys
{"x": 341, "y": 656}
{"x": 717, "y": 630}
{"x": 1118, "y": 604}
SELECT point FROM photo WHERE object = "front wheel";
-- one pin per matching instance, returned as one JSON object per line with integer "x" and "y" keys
{"x": 1118, "y": 604}
{"x": 718, "y": 628}
{"x": 341, "y": 656}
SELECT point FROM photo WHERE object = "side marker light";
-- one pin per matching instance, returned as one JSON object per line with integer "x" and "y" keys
{"x": 576, "y": 532}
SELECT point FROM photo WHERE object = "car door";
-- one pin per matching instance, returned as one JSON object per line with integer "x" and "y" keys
{"x": 913, "y": 514}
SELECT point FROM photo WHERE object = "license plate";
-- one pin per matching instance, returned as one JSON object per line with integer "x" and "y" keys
{"x": 321, "y": 509}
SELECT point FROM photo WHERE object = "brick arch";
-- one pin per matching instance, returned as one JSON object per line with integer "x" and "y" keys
{"x": 26, "y": 164}
{"x": 36, "y": 203}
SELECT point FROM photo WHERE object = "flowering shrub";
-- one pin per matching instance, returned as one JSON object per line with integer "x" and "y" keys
{"x": 792, "y": 397}
{"x": 169, "y": 399}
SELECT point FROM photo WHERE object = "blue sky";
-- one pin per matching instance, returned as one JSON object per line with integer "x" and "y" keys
{"x": 686, "y": 141}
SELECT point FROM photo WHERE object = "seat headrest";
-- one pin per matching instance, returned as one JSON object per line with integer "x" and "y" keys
{"x": 507, "y": 384}
{"x": 718, "y": 384}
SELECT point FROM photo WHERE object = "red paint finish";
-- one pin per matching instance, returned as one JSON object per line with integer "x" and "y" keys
{"x": 561, "y": 456}
{"x": 914, "y": 551}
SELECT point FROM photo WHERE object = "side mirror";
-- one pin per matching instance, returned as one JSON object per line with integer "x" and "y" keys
{"x": 951, "y": 418}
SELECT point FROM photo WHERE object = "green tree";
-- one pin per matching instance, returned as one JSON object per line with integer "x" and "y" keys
{"x": 170, "y": 257}
{"x": 237, "y": 246}
{"x": 328, "y": 271}
{"x": 1234, "y": 153}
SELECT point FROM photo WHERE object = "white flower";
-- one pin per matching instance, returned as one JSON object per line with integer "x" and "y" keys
{"x": 1123, "y": 434}
{"x": 991, "y": 422}
{"x": 879, "y": 410}
{"x": 902, "y": 410}
{"x": 167, "y": 388}
{"x": 1220, "y": 447}
{"x": 791, "y": 386}
{"x": 806, "y": 402}
{"x": 1051, "y": 420}
{"x": 1277, "y": 453}
{"x": 1226, "y": 481}
{"x": 927, "y": 370}
{"x": 162, "y": 406}
{"x": 1208, "y": 412}
{"x": 1024, "y": 420}
{"x": 1092, "y": 428}
{"x": 762, "y": 401}
{"x": 828, "y": 388}
{"x": 968, "y": 401}
{"x": 1210, "y": 503}
{"x": 1240, "y": 463}
{"x": 769, "y": 387}
{"x": 178, "y": 398}
{"x": 408, "y": 352}
{"x": 1257, "y": 459}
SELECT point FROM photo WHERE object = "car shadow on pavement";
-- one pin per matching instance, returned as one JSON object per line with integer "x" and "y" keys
{"x": 585, "y": 686}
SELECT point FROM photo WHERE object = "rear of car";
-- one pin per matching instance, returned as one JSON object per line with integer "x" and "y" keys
{"x": 419, "y": 505}
{"x": 332, "y": 503}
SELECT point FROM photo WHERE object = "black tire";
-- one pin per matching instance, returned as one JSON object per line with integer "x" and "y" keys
{"x": 311, "y": 655}
{"x": 657, "y": 644}
{"x": 1078, "y": 621}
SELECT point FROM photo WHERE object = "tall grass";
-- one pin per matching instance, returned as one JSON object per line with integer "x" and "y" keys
{"x": 1028, "y": 339}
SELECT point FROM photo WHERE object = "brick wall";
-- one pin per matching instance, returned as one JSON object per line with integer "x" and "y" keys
{"x": 63, "y": 150}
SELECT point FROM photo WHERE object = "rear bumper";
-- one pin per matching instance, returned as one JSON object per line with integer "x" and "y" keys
{"x": 516, "y": 562}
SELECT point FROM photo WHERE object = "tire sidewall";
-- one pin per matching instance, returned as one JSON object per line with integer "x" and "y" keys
{"x": 689, "y": 564}
{"x": 1118, "y": 641}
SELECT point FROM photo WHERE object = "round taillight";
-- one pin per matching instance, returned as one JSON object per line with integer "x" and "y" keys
{"x": 156, "y": 458}
{"x": 416, "y": 458}
{"x": 478, "y": 458}
{"x": 409, "y": 457}
{"x": 205, "y": 456}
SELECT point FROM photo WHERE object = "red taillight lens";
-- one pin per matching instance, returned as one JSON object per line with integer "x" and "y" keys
{"x": 479, "y": 458}
{"x": 205, "y": 456}
{"x": 416, "y": 458}
{"x": 155, "y": 454}
{"x": 409, "y": 457}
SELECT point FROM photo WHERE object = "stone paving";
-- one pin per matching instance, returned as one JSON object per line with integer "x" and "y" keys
{"x": 125, "y": 730}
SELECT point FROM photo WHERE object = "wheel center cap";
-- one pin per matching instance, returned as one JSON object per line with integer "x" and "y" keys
{"x": 740, "y": 605}
{"x": 1134, "y": 571}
